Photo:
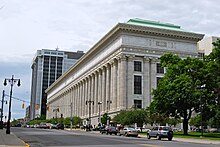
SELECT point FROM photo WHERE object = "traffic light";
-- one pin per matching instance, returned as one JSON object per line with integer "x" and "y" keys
{"x": 36, "y": 107}
{"x": 22, "y": 105}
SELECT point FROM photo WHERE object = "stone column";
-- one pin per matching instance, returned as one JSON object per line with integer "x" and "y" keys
{"x": 130, "y": 82}
{"x": 108, "y": 77}
{"x": 111, "y": 85}
{"x": 103, "y": 100}
{"x": 92, "y": 92}
{"x": 123, "y": 81}
{"x": 88, "y": 97}
{"x": 78, "y": 99}
{"x": 96, "y": 93}
{"x": 99, "y": 88}
{"x": 153, "y": 70}
{"x": 114, "y": 99}
{"x": 75, "y": 100}
{"x": 146, "y": 82}
{"x": 83, "y": 98}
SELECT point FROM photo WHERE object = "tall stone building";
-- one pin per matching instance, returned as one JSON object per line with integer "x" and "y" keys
{"x": 48, "y": 65}
{"x": 205, "y": 46}
{"x": 119, "y": 71}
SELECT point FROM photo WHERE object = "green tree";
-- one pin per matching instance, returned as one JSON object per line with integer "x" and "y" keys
{"x": 130, "y": 117}
{"x": 179, "y": 92}
{"x": 213, "y": 61}
{"x": 104, "y": 119}
{"x": 14, "y": 122}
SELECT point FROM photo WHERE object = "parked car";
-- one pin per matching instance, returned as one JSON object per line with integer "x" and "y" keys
{"x": 44, "y": 126}
{"x": 53, "y": 126}
{"x": 60, "y": 126}
{"x": 138, "y": 129}
{"x": 160, "y": 132}
{"x": 129, "y": 132}
{"x": 109, "y": 130}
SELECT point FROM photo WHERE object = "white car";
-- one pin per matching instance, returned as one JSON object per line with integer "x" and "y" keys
{"x": 128, "y": 132}
{"x": 160, "y": 132}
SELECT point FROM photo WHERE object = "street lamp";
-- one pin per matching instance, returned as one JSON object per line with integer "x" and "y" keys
{"x": 89, "y": 102}
{"x": 3, "y": 96}
{"x": 12, "y": 81}
{"x": 202, "y": 87}
{"x": 99, "y": 104}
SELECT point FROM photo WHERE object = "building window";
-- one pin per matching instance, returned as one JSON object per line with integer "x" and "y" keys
{"x": 160, "y": 69}
{"x": 201, "y": 55}
{"x": 137, "y": 66}
{"x": 137, "y": 104}
{"x": 137, "y": 84}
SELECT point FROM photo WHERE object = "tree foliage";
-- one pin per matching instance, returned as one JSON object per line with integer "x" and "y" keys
{"x": 129, "y": 117}
{"x": 179, "y": 92}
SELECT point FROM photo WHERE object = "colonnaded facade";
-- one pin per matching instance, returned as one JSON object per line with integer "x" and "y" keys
{"x": 119, "y": 71}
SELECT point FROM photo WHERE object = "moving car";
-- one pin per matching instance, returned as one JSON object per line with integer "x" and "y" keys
{"x": 129, "y": 132}
{"x": 160, "y": 132}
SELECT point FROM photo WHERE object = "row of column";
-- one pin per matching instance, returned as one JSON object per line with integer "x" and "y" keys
{"x": 111, "y": 84}
{"x": 105, "y": 85}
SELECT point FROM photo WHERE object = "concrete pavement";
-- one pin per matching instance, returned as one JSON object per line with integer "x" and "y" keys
{"x": 199, "y": 141}
{"x": 10, "y": 140}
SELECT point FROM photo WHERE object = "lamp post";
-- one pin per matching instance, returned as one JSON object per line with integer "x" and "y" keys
{"x": 203, "y": 86}
{"x": 108, "y": 108}
{"x": 99, "y": 104}
{"x": 3, "y": 96}
{"x": 89, "y": 102}
{"x": 12, "y": 81}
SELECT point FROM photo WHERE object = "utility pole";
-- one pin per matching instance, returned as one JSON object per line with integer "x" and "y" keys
{"x": 1, "y": 122}
{"x": 12, "y": 81}
{"x": 89, "y": 103}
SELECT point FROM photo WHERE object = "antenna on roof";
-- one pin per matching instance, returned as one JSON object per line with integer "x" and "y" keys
{"x": 57, "y": 48}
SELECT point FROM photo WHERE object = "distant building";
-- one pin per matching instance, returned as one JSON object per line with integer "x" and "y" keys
{"x": 119, "y": 71}
{"x": 27, "y": 115}
{"x": 48, "y": 65}
{"x": 205, "y": 46}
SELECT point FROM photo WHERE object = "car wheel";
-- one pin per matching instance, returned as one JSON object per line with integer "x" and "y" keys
{"x": 126, "y": 134}
{"x": 158, "y": 137}
{"x": 148, "y": 136}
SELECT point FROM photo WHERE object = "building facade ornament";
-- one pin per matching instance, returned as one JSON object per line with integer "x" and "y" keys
{"x": 120, "y": 70}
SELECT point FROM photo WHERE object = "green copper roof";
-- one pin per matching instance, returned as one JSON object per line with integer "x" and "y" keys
{"x": 154, "y": 24}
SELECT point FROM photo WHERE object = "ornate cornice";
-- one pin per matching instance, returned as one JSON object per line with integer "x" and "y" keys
{"x": 160, "y": 32}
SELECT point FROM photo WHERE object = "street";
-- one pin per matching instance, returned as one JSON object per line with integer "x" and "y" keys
{"x": 60, "y": 138}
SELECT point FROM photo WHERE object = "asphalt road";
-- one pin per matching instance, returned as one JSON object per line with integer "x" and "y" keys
{"x": 76, "y": 138}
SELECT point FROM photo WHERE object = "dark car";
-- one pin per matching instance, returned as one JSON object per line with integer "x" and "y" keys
{"x": 60, "y": 126}
{"x": 161, "y": 132}
{"x": 109, "y": 130}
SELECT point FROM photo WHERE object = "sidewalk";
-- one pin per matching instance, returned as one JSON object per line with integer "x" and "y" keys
{"x": 200, "y": 141}
{"x": 10, "y": 140}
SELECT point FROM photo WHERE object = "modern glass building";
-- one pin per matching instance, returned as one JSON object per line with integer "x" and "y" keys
{"x": 48, "y": 65}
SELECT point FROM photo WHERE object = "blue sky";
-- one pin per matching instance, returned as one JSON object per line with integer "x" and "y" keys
{"x": 28, "y": 25}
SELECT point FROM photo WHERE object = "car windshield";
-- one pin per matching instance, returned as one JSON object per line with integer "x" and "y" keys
{"x": 131, "y": 129}
{"x": 166, "y": 128}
